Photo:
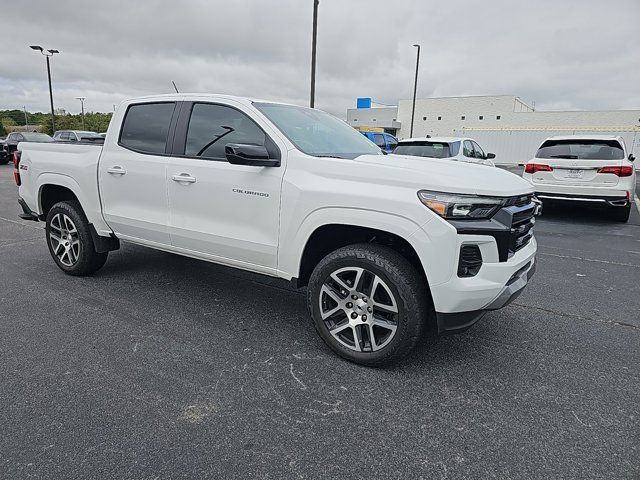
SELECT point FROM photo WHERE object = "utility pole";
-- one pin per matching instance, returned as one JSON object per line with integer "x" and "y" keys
{"x": 26, "y": 122}
{"x": 82, "y": 99}
{"x": 313, "y": 53}
{"x": 415, "y": 89}
{"x": 47, "y": 54}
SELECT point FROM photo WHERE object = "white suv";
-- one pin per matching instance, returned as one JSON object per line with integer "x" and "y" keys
{"x": 594, "y": 168}
{"x": 452, "y": 148}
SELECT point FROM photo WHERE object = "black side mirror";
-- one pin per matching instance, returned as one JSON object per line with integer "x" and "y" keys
{"x": 490, "y": 156}
{"x": 631, "y": 157}
{"x": 252, "y": 155}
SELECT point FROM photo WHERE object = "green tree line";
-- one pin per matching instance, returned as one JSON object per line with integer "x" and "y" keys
{"x": 94, "y": 121}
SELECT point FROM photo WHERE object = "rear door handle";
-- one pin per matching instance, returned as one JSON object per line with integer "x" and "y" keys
{"x": 116, "y": 170}
{"x": 184, "y": 177}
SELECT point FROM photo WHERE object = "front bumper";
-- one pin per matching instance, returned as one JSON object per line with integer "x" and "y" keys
{"x": 457, "y": 322}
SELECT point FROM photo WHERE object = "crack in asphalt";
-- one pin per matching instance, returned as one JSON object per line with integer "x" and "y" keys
{"x": 595, "y": 260}
{"x": 576, "y": 316}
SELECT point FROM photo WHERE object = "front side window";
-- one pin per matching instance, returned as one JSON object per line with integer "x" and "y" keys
{"x": 479, "y": 153}
{"x": 146, "y": 127}
{"x": 317, "y": 133}
{"x": 393, "y": 143}
{"x": 424, "y": 149}
{"x": 467, "y": 149}
{"x": 581, "y": 149}
{"x": 379, "y": 140}
{"x": 211, "y": 127}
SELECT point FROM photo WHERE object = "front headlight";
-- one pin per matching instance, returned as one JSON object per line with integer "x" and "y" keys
{"x": 453, "y": 206}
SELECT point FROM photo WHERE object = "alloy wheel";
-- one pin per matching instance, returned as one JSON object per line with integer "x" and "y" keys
{"x": 358, "y": 309}
{"x": 64, "y": 239}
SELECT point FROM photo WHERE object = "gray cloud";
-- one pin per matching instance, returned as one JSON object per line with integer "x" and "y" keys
{"x": 579, "y": 54}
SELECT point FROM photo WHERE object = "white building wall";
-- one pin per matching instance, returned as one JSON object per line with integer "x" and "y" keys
{"x": 510, "y": 128}
{"x": 382, "y": 117}
{"x": 442, "y": 116}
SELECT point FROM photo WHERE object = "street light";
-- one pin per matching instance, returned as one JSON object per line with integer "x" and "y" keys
{"x": 415, "y": 89}
{"x": 313, "y": 53}
{"x": 48, "y": 53}
{"x": 82, "y": 106}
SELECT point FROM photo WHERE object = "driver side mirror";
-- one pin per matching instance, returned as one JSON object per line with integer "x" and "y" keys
{"x": 252, "y": 155}
{"x": 490, "y": 156}
{"x": 631, "y": 157}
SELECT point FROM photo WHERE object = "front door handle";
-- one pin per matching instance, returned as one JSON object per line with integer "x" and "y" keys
{"x": 116, "y": 170}
{"x": 184, "y": 177}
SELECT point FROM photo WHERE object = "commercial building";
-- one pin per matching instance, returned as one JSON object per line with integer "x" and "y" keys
{"x": 502, "y": 124}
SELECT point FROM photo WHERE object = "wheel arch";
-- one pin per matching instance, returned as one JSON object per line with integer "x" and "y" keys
{"x": 332, "y": 228}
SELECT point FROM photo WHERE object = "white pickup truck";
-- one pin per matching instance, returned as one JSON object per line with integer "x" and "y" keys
{"x": 390, "y": 247}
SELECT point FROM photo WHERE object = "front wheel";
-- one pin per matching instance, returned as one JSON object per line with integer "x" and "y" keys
{"x": 368, "y": 304}
{"x": 69, "y": 240}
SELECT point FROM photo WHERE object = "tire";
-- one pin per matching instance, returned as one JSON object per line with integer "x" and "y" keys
{"x": 621, "y": 214}
{"x": 343, "y": 312}
{"x": 70, "y": 242}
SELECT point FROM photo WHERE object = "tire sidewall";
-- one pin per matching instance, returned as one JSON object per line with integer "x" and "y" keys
{"x": 408, "y": 325}
{"x": 84, "y": 236}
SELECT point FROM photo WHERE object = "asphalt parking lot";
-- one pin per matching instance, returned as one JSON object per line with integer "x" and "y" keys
{"x": 165, "y": 367}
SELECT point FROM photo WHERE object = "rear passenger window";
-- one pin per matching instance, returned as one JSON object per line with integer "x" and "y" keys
{"x": 146, "y": 127}
{"x": 211, "y": 127}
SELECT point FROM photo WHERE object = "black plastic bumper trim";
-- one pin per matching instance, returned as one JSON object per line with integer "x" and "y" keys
{"x": 27, "y": 213}
{"x": 103, "y": 244}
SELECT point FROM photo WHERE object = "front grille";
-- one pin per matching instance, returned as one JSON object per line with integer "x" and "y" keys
{"x": 511, "y": 226}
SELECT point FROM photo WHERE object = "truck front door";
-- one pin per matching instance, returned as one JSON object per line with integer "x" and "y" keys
{"x": 224, "y": 212}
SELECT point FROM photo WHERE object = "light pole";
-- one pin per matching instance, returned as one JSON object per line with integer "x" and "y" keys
{"x": 415, "y": 89}
{"x": 82, "y": 106}
{"x": 313, "y": 53}
{"x": 48, "y": 53}
{"x": 26, "y": 122}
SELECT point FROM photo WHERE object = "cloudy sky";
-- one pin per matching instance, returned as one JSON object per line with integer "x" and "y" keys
{"x": 568, "y": 54}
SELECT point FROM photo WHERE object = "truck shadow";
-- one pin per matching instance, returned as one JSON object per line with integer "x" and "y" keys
{"x": 221, "y": 301}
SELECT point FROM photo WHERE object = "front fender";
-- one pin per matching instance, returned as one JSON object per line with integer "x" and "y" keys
{"x": 290, "y": 253}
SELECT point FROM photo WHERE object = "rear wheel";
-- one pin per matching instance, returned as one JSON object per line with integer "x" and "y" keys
{"x": 368, "y": 303}
{"x": 69, "y": 240}
{"x": 621, "y": 214}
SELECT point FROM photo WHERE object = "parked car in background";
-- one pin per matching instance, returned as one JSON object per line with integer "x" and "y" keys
{"x": 385, "y": 141}
{"x": 452, "y": 148}
{"x": 75, "y": 136}
{"x": 387, "y": 249}
{"x": 4, "y": 156}
{"x": 594, "y": 169}
{"x": 14, "y": 138}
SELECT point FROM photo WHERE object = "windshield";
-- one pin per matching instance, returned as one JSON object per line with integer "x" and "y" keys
{"x": 428, "y": 149}
{"x": 581, "y": 149}
{"x": 36, "y": 137}
{"x": 317, "y": 133}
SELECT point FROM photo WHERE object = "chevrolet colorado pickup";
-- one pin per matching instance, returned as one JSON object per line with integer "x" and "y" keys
{"x": 388, "y": 246}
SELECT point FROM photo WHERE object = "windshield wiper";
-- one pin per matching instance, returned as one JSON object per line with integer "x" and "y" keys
{"x": 328, "y": 156}
{"x": 574, "y": 157}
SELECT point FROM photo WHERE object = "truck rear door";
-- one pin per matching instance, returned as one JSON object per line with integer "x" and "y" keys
{"x": 132, "y": 174}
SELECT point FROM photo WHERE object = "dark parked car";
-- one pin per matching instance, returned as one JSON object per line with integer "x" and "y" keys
{"x": 4, "y": 156}
{"x": 13, "y": 139}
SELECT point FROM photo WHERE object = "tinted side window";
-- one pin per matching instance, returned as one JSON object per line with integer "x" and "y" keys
{"x": 477, "y": 150}
{"x": 146, "y": 127}
{"x": 379, "y": 140}
{"x": 393, "y": 143}
{"x": 211, "y": 127}
{"x": 467, "y": 149}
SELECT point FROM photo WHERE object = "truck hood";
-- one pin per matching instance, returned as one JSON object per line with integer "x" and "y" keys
{"x": 444, "y": 175}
